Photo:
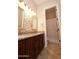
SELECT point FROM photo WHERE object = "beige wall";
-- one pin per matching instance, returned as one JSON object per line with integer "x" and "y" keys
{"x": 19, "y": 18}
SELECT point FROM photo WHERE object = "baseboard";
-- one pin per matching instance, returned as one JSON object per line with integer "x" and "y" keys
{"x": 54, "y": 41}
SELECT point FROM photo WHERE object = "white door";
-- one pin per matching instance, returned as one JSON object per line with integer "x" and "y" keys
{"x": 52, "y": 30}
{"x": 51, "y": 25}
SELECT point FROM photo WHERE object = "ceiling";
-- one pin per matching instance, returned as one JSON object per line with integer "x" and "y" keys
{"x": 38, "y": 2}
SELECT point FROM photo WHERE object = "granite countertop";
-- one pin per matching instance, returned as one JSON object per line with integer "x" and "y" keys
{"x": 28, "y": 35}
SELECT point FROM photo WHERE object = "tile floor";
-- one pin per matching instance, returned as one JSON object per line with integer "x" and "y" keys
{"x": 53, "y": 51}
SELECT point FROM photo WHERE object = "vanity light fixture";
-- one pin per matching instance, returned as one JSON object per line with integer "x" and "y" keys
{"x": 28, "y": 11}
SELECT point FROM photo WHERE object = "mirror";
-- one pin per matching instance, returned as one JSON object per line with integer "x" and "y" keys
{"x": 27, "y": 19}
{"x": 30, "y": 24}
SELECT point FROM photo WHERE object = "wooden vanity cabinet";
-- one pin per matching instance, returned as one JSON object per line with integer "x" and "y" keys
{"x": 30, "y": 47}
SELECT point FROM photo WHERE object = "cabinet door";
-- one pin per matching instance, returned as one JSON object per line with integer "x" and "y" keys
{"x": 23, "y": 47}
{"x": 42, "y": 42}
{"x": 32, "y": 48}
{"x": 39, "y": 44}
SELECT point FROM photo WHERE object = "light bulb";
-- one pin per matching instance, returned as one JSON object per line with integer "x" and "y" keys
{"x": 21, "y": 5}
{"x": 33, "y": 13}
{"x": 29, "y": 12}
{"x": 26, "y": 8}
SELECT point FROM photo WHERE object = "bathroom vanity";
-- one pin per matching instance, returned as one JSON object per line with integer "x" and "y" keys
{"x": 30, "y": 45}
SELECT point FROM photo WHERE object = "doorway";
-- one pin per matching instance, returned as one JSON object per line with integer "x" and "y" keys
{"x": 52, "y": 25}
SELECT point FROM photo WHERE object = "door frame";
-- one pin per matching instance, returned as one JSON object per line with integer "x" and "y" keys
{"x": 56, "y": 18}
